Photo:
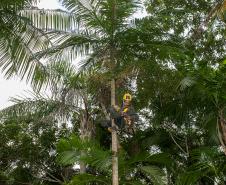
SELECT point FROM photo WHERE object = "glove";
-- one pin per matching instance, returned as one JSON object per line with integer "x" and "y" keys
{"x": 116, "y": 107}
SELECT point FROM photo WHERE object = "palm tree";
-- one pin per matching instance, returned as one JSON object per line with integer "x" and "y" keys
{"x": 97, "y": 33}
{"x": 68, "y": 97}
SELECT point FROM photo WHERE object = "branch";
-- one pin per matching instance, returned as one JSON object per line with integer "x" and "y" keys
{"x": 105, "y": 111}
{"x": 54, "y": 179}
{"x": 52, "y": 176}
{"x": 220, "y": 137}
{"x": 199, "y": 30}
{"x": 48, "y": 179}
{"x": 178, "y": 144}
{"x": 186, "y": 143}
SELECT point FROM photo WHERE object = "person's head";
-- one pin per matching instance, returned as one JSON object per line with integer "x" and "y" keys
{"x": 127, "y": 98}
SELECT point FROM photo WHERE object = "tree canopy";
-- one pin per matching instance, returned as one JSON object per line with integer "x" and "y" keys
{"x": 172, "y": 61}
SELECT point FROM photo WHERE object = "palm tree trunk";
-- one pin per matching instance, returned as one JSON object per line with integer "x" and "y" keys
{"x": 114, "y": 141}
{"x": 221, "y": 127}
{"x": 82, "y": 164}
{"x": 86, "y": 128}
{"x": 82, "y": 136}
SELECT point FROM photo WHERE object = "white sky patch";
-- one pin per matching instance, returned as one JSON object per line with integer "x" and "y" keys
{"x": 49, "y": 4}
{"x": 10, "y": 88}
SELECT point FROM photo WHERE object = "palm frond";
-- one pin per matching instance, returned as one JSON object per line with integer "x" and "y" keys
{"x": 85, "y": 179}
{"x": 86, "y": 13}
{"x": 93, "y": 155}
{"x": 48, "y": 20}
{"x": 186, "y": 83}
{"x": 70, "y": 39}
{"x": 189, "y": 178}
{"x": 59, "y": 74}
{"x": 66, "y": 90}
{"x": 158, "y": 177}
{"x": 163, "y": 159}
{"x": 98, "y": 60}
{"x": 61, "y": 79}
{"x": 206, "y": 162}
{"x": 96, "y": 13}
{"x": 38, "y": 104}
{"x": 18, "y": 44}
{"x": 70, "y": 46}
{"x": 131, "y": 182}
{"x": 17, "y": 4}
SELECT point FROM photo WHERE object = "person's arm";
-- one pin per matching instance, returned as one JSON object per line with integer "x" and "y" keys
{"x": 114, "y": 112}
{"x": 132, "y": 114}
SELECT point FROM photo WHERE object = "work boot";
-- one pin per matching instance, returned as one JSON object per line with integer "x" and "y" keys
{"x": 110, "y": 129}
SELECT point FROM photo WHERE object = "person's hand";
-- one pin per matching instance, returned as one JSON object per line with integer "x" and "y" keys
{"x": 116, "y": 107}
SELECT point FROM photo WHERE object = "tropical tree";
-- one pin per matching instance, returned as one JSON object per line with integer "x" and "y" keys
{"x": 179, "y": 86}
{"x": 102, "y": 25}
{"x": 29, "y": 134}
{"x": 65, "y": 104}
{"x": 201, "y": 58}
{"x": 182, "y": 90}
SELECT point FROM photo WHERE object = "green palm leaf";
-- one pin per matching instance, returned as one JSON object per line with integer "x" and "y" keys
{"x": 19, "y": 40}
{"x": 96, "y": 14}
{"x": 70, "y": 46}
{"x": 48, "y": 20}
{"x": 186, "y": 83}
{"x": 206, "y": 162}
{"x": 70, "y": 153}
{"x": 85, "y": 179}
{"x": 157, "y": 175}
{"x": 65, "y": 87}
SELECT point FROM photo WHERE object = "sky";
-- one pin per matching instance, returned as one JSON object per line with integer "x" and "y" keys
{"x": 49, "y": 4}
{"x": 15, "y": 87}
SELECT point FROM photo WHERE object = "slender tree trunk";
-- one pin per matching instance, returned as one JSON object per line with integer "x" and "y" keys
{"x": 86, "y": 128}
{"x": 82, "y": 164}
{"x": 115, "y": 180}
{"x": 82, "y": 136}
{"x": 221, "y": 126}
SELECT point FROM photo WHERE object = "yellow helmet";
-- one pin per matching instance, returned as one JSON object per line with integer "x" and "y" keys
{"x": 127, "y": 97}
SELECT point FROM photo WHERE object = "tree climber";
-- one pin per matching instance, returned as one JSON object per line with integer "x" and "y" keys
{"x": 124, "y": 116}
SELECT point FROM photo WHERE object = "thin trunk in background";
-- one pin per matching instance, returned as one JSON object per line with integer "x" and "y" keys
{"x": 83, "y": 137}
{"x": 86, "y": 128}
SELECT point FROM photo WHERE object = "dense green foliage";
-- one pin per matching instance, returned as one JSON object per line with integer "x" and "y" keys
{"x": 173, "y": 62}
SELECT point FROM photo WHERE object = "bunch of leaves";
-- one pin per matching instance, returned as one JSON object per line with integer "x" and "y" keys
{"x": 19, "y": 40}
{"x": 207, "y": 164}
{"x": 143, "y": 166}
{"x": 28, "y": 149}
